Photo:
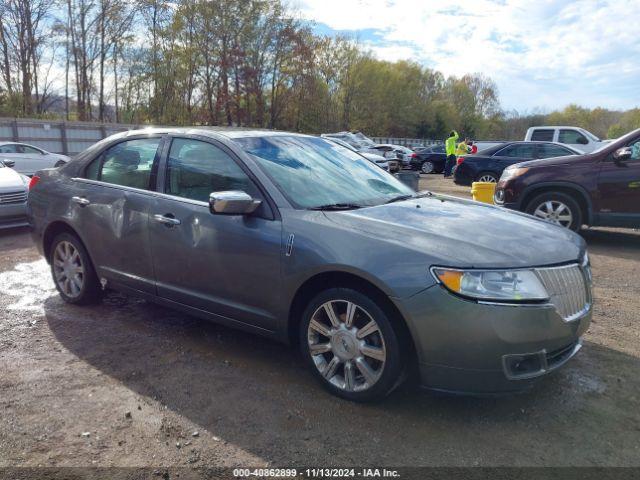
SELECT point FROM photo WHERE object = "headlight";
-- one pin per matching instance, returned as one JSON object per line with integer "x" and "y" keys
{"x": 496, "y": 285}
{"x": 512, "y": 172}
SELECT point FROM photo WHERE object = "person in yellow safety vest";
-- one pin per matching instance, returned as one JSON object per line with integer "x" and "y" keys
{"x": 463, "y": 149}
{"x": 450, "y": 149}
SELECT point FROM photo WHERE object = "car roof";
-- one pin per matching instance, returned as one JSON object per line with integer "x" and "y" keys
{"x": 213, "y": 132}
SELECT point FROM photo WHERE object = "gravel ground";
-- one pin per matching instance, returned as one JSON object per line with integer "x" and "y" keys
{"x": 128, "y": 383}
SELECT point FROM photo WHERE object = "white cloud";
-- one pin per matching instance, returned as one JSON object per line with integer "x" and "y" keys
{"x": 540, "y": 52}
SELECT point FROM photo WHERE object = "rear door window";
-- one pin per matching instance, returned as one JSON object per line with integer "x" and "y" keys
{"x": 542, "y": 135}
{"x": 572, "y": 137}
{"x": 550, "y": 151}
{"x": 128, "y": 163}
{"x": 522, "y": 150}
{"x": 31, "y": 150}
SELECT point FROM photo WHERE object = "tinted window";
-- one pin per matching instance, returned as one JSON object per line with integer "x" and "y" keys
{"x": 572, "y": 137}
{"x": 128, "y": 163}
{"x": 545, "y": 135}
{"x": 438, "y": 149}
{"x": 549, "y": 151}
{"x": 10, "y": 148}
{"x": 195, "y": 169}
{"x": 521, "y": 150}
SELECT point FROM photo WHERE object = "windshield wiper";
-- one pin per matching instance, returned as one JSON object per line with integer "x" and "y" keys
{"x": 400, "y": 198}
{"x": 336, "y": 206}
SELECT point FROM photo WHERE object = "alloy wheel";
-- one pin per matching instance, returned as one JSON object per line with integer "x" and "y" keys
{"x": 68, "y": 269}
{"x": 427, "y": 167}
{"x": 488, "y": 178}
{"x": 346, "y": 345}
{"x": 554, "y": 211}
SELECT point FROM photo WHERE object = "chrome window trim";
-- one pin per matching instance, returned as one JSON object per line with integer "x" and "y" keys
{"x": 150, "y": 193}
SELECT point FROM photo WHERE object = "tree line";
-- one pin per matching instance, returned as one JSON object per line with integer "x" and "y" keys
{"x": 241, "y": 63}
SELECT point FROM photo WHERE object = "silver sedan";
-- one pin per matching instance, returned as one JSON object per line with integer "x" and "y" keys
{"x": 28, "y": 159}
{"x": 13, "y": 198}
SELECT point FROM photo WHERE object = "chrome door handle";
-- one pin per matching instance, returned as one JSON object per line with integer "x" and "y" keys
{"x": 169, "y": 221}
{"x": 82, "y": 201}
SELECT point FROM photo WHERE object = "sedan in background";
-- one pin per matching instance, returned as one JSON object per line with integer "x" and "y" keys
{"x": 379, "y": 160}
{"x": 28, "y": 159}
{"x": 390, "y": 151}
{"x": 488, "y": 165}
{"x": 429, "y": 159}
{"x": 13, "y": 197}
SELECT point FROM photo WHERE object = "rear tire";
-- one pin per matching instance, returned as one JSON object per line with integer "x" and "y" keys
{"x": 489, "y": 177}
{"x": 427, "y": 167}
{"x": 355, "y": 352}
{"x": 72, "y": 271}
{"x": 558, "y": 208}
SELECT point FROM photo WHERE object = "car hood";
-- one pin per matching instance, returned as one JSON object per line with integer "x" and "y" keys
{"x": 555, "y": 161}
{"x": 10, "y": 180}
{"x": 462, "y": 233}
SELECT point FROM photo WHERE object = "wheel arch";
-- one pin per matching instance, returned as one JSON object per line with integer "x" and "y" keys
{"x": 52, "y": 231}
{"x": 578, "y": 193}
{"x": 335, "y": 279}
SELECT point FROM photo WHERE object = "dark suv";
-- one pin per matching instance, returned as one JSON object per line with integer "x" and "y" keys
{"x": 597, "y": 189}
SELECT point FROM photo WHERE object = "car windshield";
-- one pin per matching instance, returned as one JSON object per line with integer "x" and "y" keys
{"x": 314, "y": 173}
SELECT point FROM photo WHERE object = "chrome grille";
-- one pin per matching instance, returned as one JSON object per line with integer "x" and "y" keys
{"x": 13, "y": 197}
{"x": 568, "y": 290}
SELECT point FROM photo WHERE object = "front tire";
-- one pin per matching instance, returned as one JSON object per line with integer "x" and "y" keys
{"x": 72, "y": 271}
{"x": 350, "y": 345}
{"x": 558, "y": 208}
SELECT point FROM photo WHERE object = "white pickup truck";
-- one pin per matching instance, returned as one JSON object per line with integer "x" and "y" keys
{"x": 575, "y": 137}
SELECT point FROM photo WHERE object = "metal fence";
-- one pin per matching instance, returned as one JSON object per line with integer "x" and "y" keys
{"x": 407, "y": 142}
{"x": 70, "y": 138}
{"x": 55, "y": 136}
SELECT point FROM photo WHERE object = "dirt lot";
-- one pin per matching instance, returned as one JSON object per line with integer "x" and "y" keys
{"x": 127, "y": 383}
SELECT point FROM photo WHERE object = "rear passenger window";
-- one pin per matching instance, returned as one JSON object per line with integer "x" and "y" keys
{"x": 128, "y": 163}
{"x": 522, "y": 150}
{"x": 545, "y": 135}
{"x": 195, "y": 169}
{"x": 550, "y": 151}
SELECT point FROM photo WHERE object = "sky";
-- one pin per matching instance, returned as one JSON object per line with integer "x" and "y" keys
{"x": 542, "y": 54}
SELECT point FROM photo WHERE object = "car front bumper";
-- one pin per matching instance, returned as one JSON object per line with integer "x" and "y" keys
{"x": 469, "y": 347}
{"x": 13, "y": 215}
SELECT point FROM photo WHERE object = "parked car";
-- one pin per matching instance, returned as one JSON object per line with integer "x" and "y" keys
{"x": 379, "y": 160}
{"x": 597, "y": 189}
{"x": 29, "y": 159}
{"x": 429, "y": 159}
{"x": 13, "y": 197}
{"x": 286, "y": 236}
{"x": 390, "y": 151}
{"x": 487, "y": 165}
{"x": 353, "y": 140}
{"x": 574, "y": 137}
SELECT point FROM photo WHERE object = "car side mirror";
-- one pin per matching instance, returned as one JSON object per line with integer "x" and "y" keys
{"x": 582, "y": 141}
{"x": 9, "y": 163}
{"x": 622, "y": 154}
{"x": 232, "y": 202}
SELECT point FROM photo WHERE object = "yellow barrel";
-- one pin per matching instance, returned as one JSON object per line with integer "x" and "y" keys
{"x": 483, "y": 191}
